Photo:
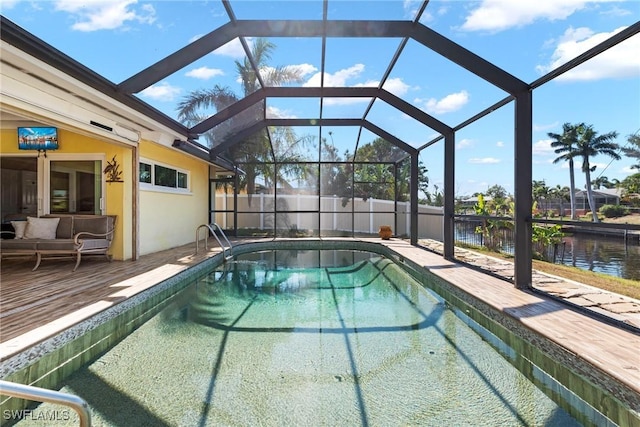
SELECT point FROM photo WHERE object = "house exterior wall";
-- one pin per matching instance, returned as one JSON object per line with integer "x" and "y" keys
{"x": 117, "y": 196}
{"x": 168, "y": 218}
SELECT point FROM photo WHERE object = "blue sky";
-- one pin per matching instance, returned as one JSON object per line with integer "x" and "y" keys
{"x": 527, "y": 38}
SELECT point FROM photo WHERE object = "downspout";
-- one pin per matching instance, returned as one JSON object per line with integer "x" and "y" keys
{"x": 135, "y": 214}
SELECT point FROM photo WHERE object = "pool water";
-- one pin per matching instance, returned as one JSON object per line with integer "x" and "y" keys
{"x": 307, "y": 338}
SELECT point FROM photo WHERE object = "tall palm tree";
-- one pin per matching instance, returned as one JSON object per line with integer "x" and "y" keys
{"x": 633, "y": 152}
{"x": 565, "y": 145}
{"x": 591, "y": 144}
{"x": 199, "y": 104}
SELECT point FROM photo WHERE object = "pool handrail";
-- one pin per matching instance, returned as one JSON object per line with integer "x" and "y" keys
{"x": 212, "y": 227}
{"x": 38, "y": 394}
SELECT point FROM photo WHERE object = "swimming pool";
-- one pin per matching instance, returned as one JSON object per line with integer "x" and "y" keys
{"x": 309, "y": 338}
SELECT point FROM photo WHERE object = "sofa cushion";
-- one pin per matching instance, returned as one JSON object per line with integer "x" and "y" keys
{"x": 96, "y": 225}
{"x": 65, "y": 226}
{"x": 41, "y": 228}
{"x": 18, "y": 228}
{"x": 65, "y": 245}
{"x": 9, "y": 245}
{"x": 90, "y": 244}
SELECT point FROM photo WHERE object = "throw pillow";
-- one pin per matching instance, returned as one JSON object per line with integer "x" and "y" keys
{"x": 18, "y": 228}
{"x": 41, "y": 228}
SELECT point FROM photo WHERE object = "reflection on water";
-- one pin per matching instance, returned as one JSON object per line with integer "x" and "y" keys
{"x": 598, "y": 253}
{"x": 601, "y": 254}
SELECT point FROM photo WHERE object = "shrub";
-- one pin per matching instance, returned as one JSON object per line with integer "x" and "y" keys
{"x": 614, "y": 211}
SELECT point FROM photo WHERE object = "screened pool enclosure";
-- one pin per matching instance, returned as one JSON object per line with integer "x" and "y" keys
{"x": 297, "y": 165}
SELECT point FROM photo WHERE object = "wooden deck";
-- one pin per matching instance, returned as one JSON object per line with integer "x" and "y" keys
{"x": 37, "y": 305}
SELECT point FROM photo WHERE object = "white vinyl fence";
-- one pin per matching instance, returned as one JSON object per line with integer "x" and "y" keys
{"x": 363, "y": 217}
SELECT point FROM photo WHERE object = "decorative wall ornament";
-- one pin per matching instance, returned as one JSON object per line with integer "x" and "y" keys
{"x": 112, "y": 171}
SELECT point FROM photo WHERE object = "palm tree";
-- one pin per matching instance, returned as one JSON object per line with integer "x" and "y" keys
{"x": 561, "y": 194}
{"x": 565, "y": 144}
{"x": 604, "y": 182}
{"x": 591, "y": 144}
{"x": 541, "y": 193}
{"x": 633, "y": 151}
{"x": 199, "y": 104}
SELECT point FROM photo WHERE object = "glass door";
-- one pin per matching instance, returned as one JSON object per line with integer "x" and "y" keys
{"x": 18, "y": 187}
{"x": 75, "y": 186}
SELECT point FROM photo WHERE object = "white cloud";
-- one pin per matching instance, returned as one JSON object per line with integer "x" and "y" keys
{"x": 233, "y": 49}
{"x": 629, "y": 170}
{"x": 464, "y": 143}
{"x": 8, "y": 4}
{"x": 338, "y": 79}
{"x": 484, "y": 160}
{"x": 204, "y": 73}
{"x": 396, "y": 86}
{"x": 616, "y": 11}
{"x": 94, "y": 15}
{"x": 341, "y": 78}
{"x": 499, "y": 15}
{"x": 499, "y": 144}
{"x": 277, "y": 113}
{"x": 543, "y": 148}
{"x": 620, "y": 61}
{"x": 448, "y": 104}
{"x": 161, "y": 92}
{"x": 304, "y": 69}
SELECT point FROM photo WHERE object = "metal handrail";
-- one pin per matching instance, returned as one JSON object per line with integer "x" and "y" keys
{"x": 211, "y": 227}
{"x": 37, "y": 394}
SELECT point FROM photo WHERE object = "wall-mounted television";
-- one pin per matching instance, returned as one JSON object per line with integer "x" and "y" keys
{"x": 37, "y": 138}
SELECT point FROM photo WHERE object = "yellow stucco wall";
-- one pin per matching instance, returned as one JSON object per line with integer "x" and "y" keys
{"x": 118, "y": 196}
{"x": 168, "y": 219}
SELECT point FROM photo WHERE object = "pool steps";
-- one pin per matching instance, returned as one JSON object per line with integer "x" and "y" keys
{"x": 212, "y": 229}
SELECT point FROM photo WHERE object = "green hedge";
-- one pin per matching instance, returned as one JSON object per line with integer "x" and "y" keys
{"x": 614, "y": 211}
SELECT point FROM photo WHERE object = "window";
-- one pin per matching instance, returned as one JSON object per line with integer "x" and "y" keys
{"x": 145, "y": 173}
{"x": 160, "y": 177}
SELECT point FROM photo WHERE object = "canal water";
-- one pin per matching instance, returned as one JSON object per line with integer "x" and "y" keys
{"x": 602, "y": 254}
{"x": 609, "y": 255}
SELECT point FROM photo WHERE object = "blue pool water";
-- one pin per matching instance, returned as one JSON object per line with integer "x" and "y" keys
{"x": 301, "y": 338}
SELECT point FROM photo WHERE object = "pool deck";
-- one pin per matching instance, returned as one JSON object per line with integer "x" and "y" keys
{"x": 37, "y": 305}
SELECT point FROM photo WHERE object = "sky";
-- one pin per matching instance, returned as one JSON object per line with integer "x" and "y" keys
{"x": 526, "y": 38}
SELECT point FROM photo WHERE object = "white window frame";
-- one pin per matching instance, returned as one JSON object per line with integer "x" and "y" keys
{"x": 145, "y": 186}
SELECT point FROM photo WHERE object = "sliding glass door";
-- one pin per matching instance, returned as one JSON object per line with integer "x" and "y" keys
{"x": 18, "y": 187}
{"x": 75, "y": 186}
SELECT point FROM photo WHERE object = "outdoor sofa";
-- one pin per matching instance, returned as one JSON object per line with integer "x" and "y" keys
{"x": 59, "y": 235}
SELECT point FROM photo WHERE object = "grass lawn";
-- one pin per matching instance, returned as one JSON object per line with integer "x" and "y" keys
{"x": 630, "y": 288}
{"x": 618, "y": 285}
{"x": 627, "y": 219}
